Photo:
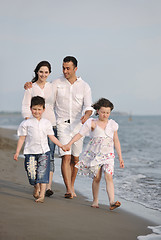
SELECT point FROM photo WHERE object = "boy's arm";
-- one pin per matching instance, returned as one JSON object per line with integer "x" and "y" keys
{"x": 55, "y": 140}
{"x": 118, "y": 148}
{"x": 74, "y": 139}
{"x": 19, "y": 146}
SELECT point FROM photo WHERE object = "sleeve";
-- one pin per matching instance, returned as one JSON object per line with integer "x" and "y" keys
{"x": 54, "y": 86}
{"x": 22, "y": 129}
{"x": 87, "y": 99}
{"x": 49, "y": 128}
{"x": 86, "y": 128}
{"x": 115, "y": 126}
{"x": 26, "y": 102}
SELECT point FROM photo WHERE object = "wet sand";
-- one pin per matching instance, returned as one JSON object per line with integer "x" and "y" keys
{"x": 56, "y": 218}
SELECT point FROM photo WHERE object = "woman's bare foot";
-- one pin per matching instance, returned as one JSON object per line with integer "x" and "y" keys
{"x": 40, "y": 200}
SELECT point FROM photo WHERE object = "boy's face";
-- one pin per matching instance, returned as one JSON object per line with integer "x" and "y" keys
{"x": 37, "y": 111}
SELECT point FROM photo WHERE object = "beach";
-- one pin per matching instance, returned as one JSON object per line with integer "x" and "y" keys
{"x": 57, "y": 217}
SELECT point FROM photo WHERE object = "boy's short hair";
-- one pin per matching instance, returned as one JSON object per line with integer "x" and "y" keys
{"x": 37, "y": 101}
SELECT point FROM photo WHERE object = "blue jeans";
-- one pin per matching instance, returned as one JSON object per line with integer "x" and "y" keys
{"x": 37, "y": 167}
{"x": 52, "y": 151}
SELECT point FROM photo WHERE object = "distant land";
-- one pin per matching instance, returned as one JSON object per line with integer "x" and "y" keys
{"x": 114, "y": 113}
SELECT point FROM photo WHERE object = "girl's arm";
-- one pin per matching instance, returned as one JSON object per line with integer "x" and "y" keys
{"x": 74, "y": 139}
{"x": 19, "y": 146}
{"x": 118, "y": 148}
{"x": 55, "y": 140}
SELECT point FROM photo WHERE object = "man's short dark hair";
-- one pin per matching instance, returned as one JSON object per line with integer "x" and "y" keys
{"x": 71, "y": 59}
{"x": 37, "y": 101}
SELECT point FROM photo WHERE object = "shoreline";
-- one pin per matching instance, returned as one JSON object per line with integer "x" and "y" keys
{"x": 57, "y": 217}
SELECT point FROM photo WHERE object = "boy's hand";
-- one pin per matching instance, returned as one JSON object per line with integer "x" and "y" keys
{"x": 66, "y": 147}
{"x": 121, "y": 163}
{"x": 16, "y": 157}
{"x": 28, "y": 85}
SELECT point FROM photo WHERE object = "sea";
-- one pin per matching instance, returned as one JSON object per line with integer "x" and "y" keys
{"x": 138, "y": 185}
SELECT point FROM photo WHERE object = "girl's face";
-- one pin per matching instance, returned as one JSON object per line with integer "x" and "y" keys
{"x": 43, "y": 73}
{"x": 104, "y": 113}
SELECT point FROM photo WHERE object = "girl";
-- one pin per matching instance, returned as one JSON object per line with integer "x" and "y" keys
{"x": 40, "y": 87}
{"x": 99, "y": 153}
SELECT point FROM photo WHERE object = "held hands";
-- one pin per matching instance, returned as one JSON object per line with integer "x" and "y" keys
{"x": 121, "y": 163}
{"x": 65, "y": 147}
{"x": 28, "y": 85}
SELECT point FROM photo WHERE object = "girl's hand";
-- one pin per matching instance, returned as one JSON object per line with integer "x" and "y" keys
{"x": 121, "y": 163}
{"x": 66, "y": 147}
{"x": 16, "y": 157}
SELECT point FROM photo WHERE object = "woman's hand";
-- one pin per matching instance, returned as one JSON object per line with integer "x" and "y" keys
{"x": 28, "y": 85}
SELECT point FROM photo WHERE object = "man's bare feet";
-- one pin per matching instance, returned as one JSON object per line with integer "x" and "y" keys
{"x": 74, "y": 194}
{"x": 68, "y": 195}
{"x": 40, "y": 200}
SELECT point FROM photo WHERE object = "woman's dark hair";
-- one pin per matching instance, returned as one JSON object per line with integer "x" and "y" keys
{"x": 39, "y": 65}
{"x": 71, "y": 59}
{"x": 37, "y": 100}
{"x": 103, "y": 102}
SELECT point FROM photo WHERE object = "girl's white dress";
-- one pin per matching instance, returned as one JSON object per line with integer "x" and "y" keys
{"x": 99, "y": 151}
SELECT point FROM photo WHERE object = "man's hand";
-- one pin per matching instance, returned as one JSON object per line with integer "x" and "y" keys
{"x": 28, "y": 85}
{"x": 86, "y": 116}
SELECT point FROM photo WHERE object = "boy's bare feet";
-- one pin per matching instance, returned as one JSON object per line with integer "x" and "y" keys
{"x": 36, "y": 192}
{"x": 40, "y": 200}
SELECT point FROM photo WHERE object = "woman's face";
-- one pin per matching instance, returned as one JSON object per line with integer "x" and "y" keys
{"x": 43, "y": 74}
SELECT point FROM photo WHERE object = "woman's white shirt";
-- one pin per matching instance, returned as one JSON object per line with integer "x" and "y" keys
{"x": 47, "y": 93}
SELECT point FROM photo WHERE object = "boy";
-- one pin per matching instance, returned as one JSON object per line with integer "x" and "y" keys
{"x": 34, "y": 132}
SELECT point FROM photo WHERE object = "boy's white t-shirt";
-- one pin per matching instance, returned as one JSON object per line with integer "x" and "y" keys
{"x": 36, "y": 133}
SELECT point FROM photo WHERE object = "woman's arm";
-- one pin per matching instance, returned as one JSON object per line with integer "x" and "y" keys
{"x": 118, "y": 148}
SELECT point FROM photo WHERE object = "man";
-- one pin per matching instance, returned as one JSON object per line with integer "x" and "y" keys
{"x": 73, "y": 107}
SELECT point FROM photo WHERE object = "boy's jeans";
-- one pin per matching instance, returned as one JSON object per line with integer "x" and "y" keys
{"x": 37, "y": 167}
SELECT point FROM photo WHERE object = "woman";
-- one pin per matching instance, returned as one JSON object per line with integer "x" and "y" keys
{"x": 40, "y": 87}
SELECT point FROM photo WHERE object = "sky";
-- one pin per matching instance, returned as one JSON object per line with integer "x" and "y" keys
{"x": 117, "y": 44}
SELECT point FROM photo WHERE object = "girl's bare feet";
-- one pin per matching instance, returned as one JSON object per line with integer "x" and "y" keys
{"x": 95, "y": 205}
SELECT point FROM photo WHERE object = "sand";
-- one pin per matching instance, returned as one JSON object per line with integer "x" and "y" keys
{"x": 56, "y": 218}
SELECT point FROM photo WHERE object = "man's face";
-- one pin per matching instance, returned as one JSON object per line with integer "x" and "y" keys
{"x": 69, "y": 70}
